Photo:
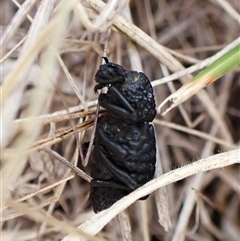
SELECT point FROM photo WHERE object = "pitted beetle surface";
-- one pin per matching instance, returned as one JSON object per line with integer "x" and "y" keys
{"x": 124, "y": 153}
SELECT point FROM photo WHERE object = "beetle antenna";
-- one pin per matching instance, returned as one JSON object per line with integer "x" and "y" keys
{"x": 106, "y": 59}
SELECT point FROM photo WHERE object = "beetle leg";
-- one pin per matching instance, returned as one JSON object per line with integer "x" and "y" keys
{"x": 121, "y": 98}
{"x": 117, "y": 172}
{"x": 98, "y": 183}
{"x": 116, "y": 110}
{"x": 110, "y": 145}
{"x": 127, "y": 112}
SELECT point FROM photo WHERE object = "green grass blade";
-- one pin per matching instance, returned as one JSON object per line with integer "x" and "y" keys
{"x": 221, "y": 66}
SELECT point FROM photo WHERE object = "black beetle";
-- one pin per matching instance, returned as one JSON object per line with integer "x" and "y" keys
{"x": 124, "y": 153}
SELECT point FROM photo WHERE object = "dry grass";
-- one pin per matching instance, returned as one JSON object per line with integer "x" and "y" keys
{"x": 49, "y": 55}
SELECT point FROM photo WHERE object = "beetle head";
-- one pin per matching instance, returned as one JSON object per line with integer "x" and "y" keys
{"x": 110, "y": 73}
